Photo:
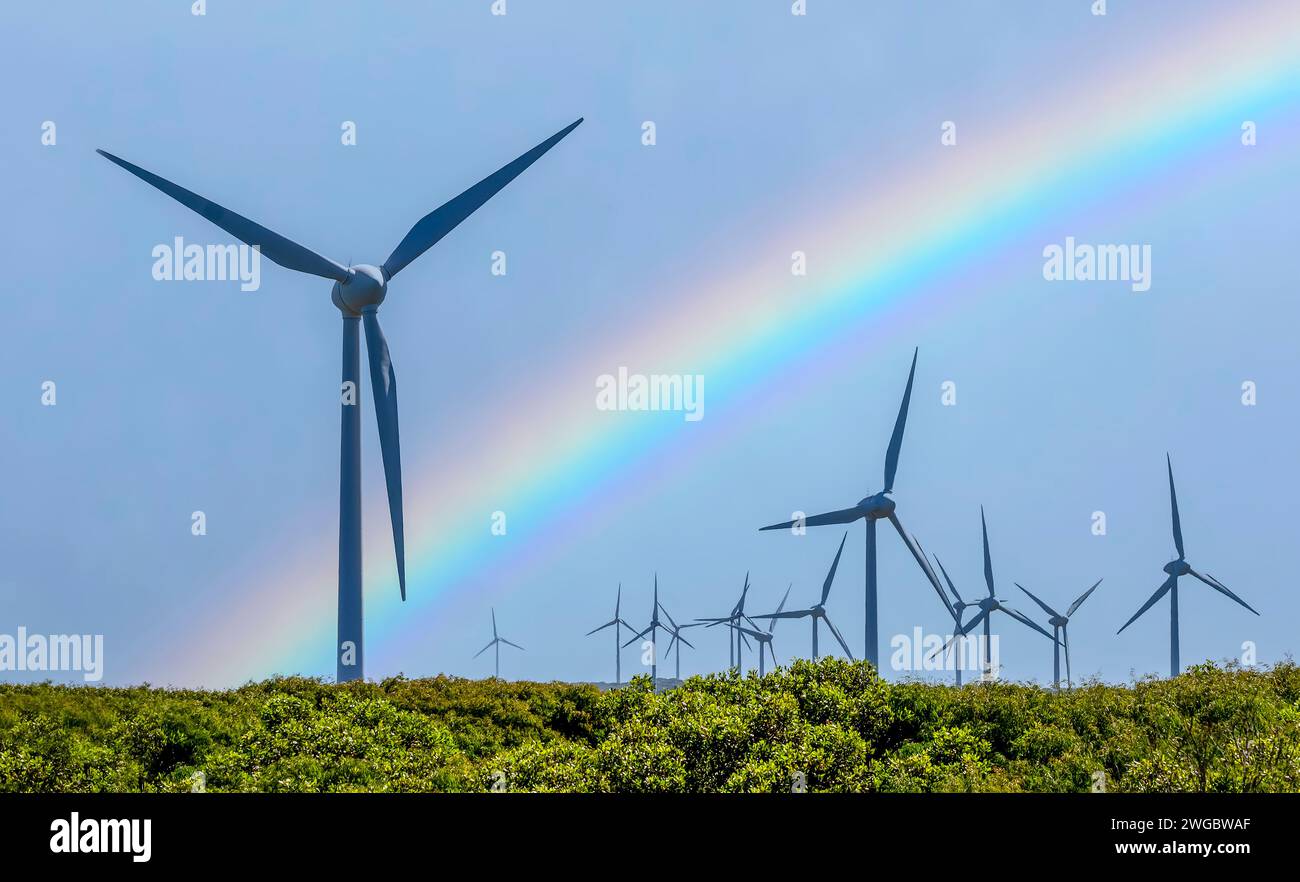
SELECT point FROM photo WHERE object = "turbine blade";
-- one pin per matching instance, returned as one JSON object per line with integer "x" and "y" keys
{"x": 494, "y": 623}
{"x": 973, "y": 623}
{"x": 670, "y": 643}
{"x": 383, "y": 382}
{"x": 750, "y": 631}
{"x": 511, "y": 643}
{"x": 485, "y": 648}
{"x": 830, "y": 576}
{"x": 1082, "y": 597}
{"x": 1047, "y": 609}
{"x": 948, "y": 579}
{"x": 788, "y": 614}
{"x": 663, "y": 609}
{"x": 1173, "y": 508}
{"x": 637, "y": 637}
{"x": 601, "y": 628}
{"x": 896, "y": 440}
{"x": 925, "y": 564}
{"x": 988, "y": 560}
{"x": 836, "y": 632}
{"x": 1160, "y": 592}
{"x": 1025, "y": 620}
{"x": 274, "y": 247}
{"x": 771, "y": 623}
{"x": 843, "y": 516}
{"x": 442, "y": 220}
{"x": 684, "y": 640}
{"x": 1222, "y": 589}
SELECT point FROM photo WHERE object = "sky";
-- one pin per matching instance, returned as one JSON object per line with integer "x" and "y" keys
{"x": 775, "y": 133}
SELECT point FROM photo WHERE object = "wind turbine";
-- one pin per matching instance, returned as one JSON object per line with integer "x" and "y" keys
{"x": 818, "y": 610}
{"x": 497, "y": 641}
{"x": 1060, "y": 632}
{"x": 676, "y": 630}
{"x": 653, "y": 630}
{"x": 617, "y": 624}
{"x": 734, "y": 617}
{"x": 870, "y": 510}
{"x": 1176, "y": 568}
{"x": 358, "y": 292}
{"x": 764, "y": 638}
{"x": 991, "y": 604}
{"x": 957, "y": 609}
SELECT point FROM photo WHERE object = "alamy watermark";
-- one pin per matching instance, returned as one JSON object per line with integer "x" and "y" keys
{"x": 53, "y": 652}
{"x": 179, "y": 262}
{"x": 919, "y": 651}
{"x": 670, "y": 392}
{"x": 1075, "y": 262}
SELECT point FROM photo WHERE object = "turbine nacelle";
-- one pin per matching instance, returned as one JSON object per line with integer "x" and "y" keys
{"x": 364, "y": 287}
{"x": 1178, "y": 567}
{"x": 878, "y": 506}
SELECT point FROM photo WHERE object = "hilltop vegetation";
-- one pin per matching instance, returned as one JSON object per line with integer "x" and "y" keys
{"x": 836, "y": 722}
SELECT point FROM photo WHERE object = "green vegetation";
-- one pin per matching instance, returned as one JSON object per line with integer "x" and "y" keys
{"x": 1213, "y": 728}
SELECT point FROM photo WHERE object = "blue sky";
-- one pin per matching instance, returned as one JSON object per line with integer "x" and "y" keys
{"x": 174, "y": 397}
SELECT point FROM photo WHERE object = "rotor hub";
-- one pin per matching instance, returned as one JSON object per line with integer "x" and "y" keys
{"x": 364, "y": 287}
{"x": 877, "y": 507}
{"x": 1178, "y": 567}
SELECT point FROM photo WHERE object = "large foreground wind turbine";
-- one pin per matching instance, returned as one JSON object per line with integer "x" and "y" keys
{"x": 1176, "y": 568}
{"x": 497, "y": 641}
{"x": 358, "y": 292}
{"x": 618, "y": 625}
{"x": 818, "y": 610}
{"x": 991, "y": 604}
{"x": 1060, "y": 631}
{"x": 870, "y": 510}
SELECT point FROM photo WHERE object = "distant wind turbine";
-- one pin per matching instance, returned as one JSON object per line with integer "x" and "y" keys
{"x": 764, "y": 638}
{"x": 653, "y": 630}
{"x": 956, "y": 609}
{"x": 817, "y": 611}
{"x": 736, "y": 615}
{"x": 1176, "y": 568}
{"x": 358, "y": 292}
{"x": 870, "y": 510}
{"x": 617, "y": 624}
{"x": 1060, "y": 631}
{"x": 497, "y": 641}
{"x": 991, "y": 604}
{"x": 676, "y": 630}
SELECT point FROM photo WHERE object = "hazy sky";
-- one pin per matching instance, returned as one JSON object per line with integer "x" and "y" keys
{"x": 775, "y": 133}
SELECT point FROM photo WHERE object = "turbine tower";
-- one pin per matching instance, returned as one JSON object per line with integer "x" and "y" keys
{"x": 653, "y": 630}
{"x": 991, "y": 604}
{"x": 817, "y": 611}
{"x": 618, "y": 625}
{"x": 734, "y": 617}
{"x": 497, "y": 641}
{"x": 764, "y": 638}
{"x": 1176, "y": 568}
{"x": 1060, "y": 632}
{"x": 358, "y": 292}
{"x": 870, "y": 510}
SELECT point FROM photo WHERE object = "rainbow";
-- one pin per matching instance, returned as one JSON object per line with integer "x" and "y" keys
{"x": 885, "y": 250}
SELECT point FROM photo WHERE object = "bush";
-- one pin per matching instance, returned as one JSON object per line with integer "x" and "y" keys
{"x": 836, "y": 723}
